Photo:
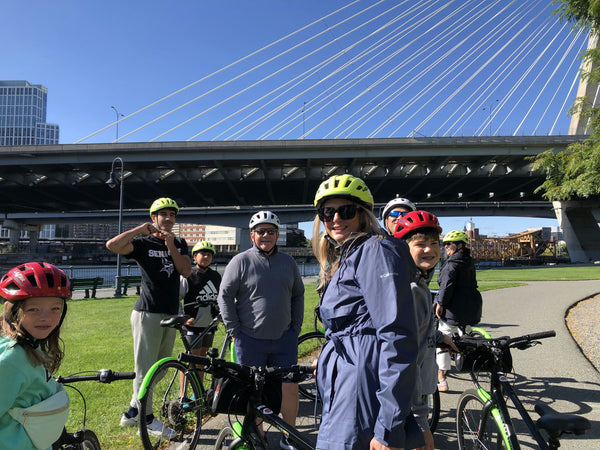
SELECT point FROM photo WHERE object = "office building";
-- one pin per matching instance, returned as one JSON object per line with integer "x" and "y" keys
{"x": 23, "y": 115}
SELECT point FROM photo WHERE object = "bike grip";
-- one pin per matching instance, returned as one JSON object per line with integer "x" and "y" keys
{"x": 541, "y": 335}
{"x": 124, "y": 375}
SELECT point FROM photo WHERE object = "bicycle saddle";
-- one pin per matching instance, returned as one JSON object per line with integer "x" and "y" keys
{"x": 555, "y": 421}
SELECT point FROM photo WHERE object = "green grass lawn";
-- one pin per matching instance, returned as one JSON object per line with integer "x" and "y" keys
{"x": 97, "y": 335}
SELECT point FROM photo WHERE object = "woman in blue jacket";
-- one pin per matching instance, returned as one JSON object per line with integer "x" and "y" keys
{"x": 366, "y": 372}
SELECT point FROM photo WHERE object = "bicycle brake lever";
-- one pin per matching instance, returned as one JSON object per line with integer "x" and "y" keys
{"x": 526, "y": 345}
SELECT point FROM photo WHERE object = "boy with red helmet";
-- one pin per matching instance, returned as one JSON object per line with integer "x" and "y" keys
{"x": 421, "y": 230}
{"x": 34, "y": 296}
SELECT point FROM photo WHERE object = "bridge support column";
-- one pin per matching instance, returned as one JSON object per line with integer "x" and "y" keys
{"x": 245, "y": 241}
{"x": 587, "y": 90}
{"x": 579, "y": 223}
{"x": 34, "y": 236}
{"x": 14, "y": 233}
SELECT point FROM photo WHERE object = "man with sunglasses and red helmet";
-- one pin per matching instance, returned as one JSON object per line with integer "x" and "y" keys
{"x": 261, "y": 299}
{"x": 394, "y": 210}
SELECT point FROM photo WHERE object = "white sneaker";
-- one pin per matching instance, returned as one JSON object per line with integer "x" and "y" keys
{"x": 156, "y": 428}
{"x": 129, "y": 421}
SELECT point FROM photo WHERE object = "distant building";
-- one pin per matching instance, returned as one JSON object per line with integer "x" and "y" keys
{"x": 225, "y": 239}
{"x": 23, "y": 115}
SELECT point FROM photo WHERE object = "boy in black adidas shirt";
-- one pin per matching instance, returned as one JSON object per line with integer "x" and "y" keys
{"x": 199, "y": 292}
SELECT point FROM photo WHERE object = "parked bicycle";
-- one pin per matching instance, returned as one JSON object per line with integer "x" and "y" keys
{"x": 482, "y": 418}
{"x": 179, "y": 394}
{"x": 245, "y": 391}
{"x": 85, "y": 439}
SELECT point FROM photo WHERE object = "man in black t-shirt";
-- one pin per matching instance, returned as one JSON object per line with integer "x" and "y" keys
{"x": 162, "y": 258}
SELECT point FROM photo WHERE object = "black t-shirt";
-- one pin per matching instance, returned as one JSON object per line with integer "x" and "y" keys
{"x": 201, "y": 286}
{"x": 160, "y": 279}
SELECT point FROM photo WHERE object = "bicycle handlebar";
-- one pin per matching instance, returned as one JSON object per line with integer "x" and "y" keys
{"x": 466, "y": 341}
{"x": 102, "y": 376}
{"x": 227, "y": 368}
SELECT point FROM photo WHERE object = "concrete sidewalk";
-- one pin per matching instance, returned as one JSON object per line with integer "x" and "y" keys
{"x": 555, "y": 372}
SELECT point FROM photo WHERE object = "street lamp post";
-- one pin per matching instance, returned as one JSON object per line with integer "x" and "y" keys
{"x": 117, "y": 123}
{"x": 113, "y": 182}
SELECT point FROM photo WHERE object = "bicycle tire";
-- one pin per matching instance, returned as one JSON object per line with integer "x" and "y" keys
{"x": 170, "y": 401}
{"x": 433, "y": 402}
{"x": 224, "y": 438}
{"x": 88, "y": 441}
{"x": 309, "y": 349}
{"x": 475, "y": 426}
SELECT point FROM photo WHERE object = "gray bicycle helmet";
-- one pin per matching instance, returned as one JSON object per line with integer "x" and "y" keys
{"x": 396, "y": 203}
{"x": 264, "y": 217}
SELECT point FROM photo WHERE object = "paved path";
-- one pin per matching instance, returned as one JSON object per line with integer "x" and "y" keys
{"x": 555, "y": 372}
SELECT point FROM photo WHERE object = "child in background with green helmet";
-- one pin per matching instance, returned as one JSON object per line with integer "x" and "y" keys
{"x": 458, "y": 303}
{"x": 199, "y": 292}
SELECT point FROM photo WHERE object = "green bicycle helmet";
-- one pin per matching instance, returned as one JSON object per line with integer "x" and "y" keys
{"x": 162, "y": 203}
{"x": 456, "y": 236}
{"x": 345, "y": 186}
{"x": 203, "y": 245}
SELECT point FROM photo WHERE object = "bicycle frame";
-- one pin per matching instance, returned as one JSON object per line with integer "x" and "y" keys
{"x": 498, "y": 409}
{"x": 265, "y": 413}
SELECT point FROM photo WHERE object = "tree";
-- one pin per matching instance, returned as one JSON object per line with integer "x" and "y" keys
{"x": 575, "y": 172}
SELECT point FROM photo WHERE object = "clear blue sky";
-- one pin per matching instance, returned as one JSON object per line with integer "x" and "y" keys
{"x": 92, "y": 55}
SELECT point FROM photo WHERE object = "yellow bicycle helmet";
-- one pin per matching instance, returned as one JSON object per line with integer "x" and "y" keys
{"x": 162, "y": 203}
{"x": 203, "y": 245}
{"x": 456, "y": 236}
{"x": 345, "y": 186}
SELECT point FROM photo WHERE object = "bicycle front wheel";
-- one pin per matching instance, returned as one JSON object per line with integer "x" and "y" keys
{"x": 175, "y": 398}
{"x": 86, "y": 440}
{"x": 433, "y": 402}
{"x": 475, "y": 426}
{"x": 309, "y": 349}
{"x": 224, "y": 439}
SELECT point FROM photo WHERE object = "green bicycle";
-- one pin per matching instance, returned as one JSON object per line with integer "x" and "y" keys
{"x": 482, "y": 417}
{"x": 179, "y": 394}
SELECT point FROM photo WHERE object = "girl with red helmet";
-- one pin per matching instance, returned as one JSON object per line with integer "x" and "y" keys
{"x": 34, "y": 296}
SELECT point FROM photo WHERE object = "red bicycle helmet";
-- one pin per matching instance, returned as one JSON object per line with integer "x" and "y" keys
{"x": 416, "y": 220}
{"x": 35, "y": 279}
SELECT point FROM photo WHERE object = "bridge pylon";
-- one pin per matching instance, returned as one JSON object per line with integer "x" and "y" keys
{"x": 579, "y": 219}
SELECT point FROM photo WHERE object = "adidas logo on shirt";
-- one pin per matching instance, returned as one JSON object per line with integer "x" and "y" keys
{"x": 208, "y": 292}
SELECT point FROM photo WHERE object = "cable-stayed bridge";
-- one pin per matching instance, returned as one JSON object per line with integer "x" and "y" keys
{"x": 382, "y": 69}
{"x": 440, "y": 101}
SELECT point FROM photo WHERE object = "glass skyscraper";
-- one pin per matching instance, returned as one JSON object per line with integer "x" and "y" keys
{"x": 23, "y": 115}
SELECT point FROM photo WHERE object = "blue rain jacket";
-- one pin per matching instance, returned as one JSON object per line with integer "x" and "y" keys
{"x": 367, "y": 370}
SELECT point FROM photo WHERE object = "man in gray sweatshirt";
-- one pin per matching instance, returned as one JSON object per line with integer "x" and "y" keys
{"x": 262, "y": 305}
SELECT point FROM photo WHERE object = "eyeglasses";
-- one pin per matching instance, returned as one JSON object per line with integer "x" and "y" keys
{"x": 446, "y": 244}
{"x": 263, "y": 231}
{"x": 346, "y": 212}
{"x": 395, "y": 214}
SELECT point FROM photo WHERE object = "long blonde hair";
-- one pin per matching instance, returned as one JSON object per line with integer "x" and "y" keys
{"x": 326, "y": 250}
{"x": 50, "y": 351}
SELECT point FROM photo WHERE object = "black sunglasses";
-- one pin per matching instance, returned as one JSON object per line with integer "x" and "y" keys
{"x": 398, "y": 213}
{"x": 346, "y": 212}
{"x": 269, "y": 231}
